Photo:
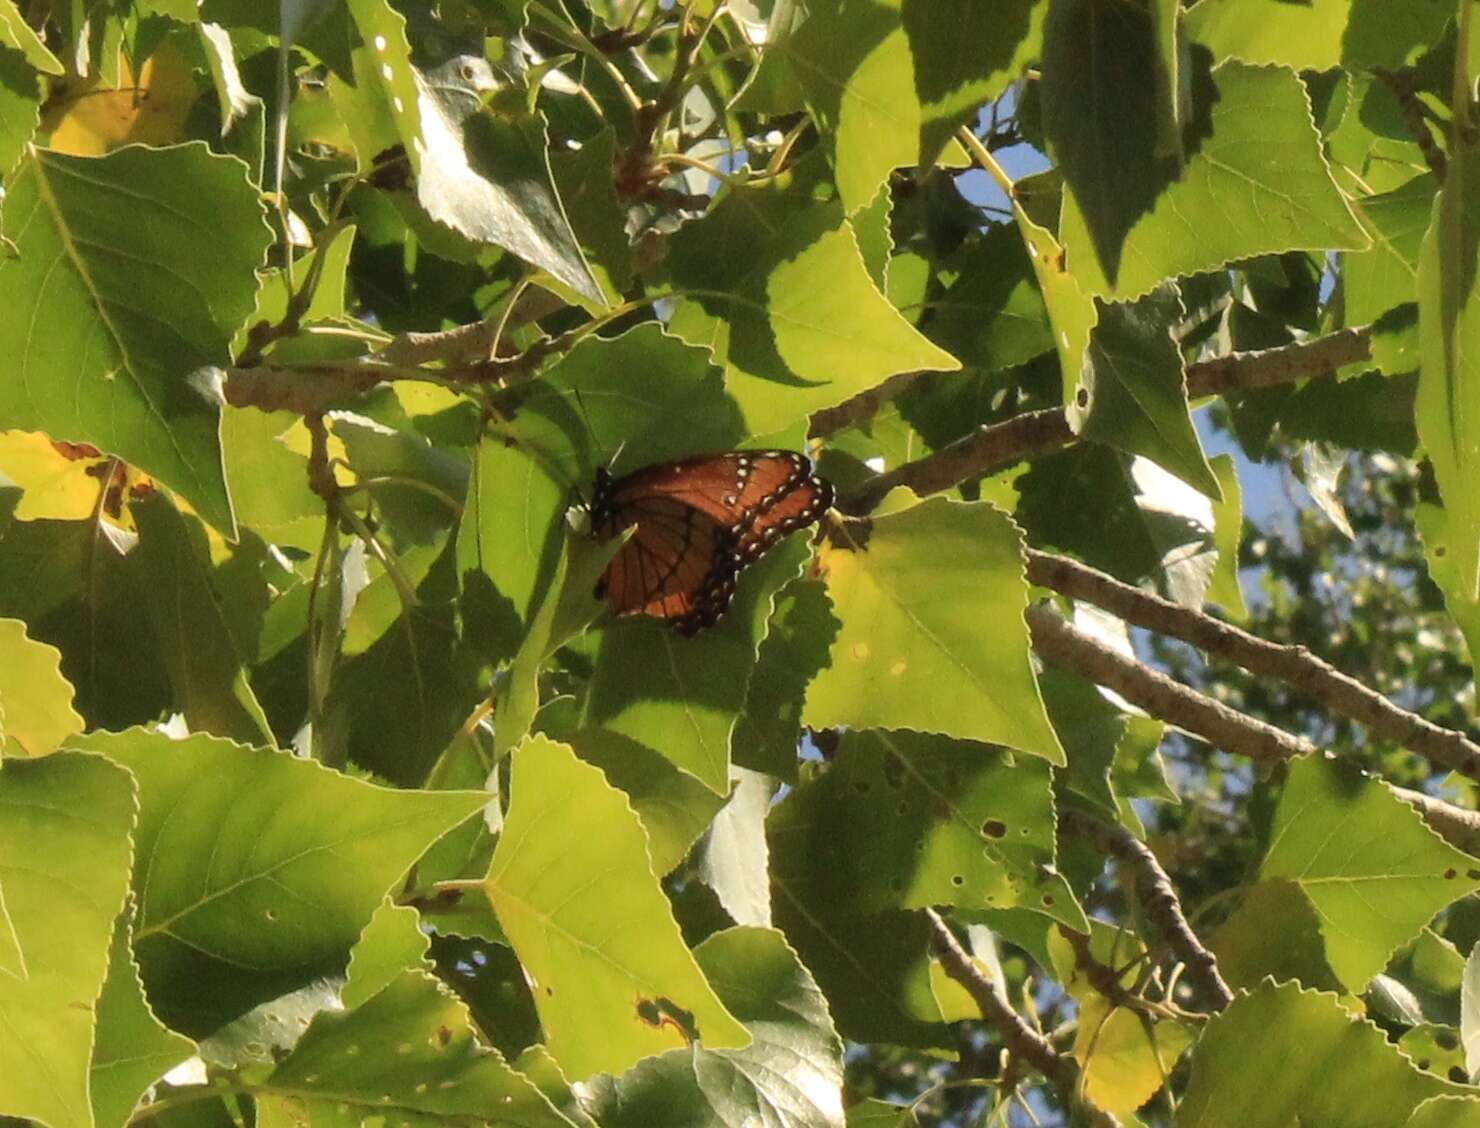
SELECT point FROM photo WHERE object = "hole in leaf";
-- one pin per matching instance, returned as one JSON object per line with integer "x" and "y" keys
{"x": 994, "y": 828}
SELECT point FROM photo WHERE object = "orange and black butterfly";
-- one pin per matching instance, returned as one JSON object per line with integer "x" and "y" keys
{"x": 698, "y": 523}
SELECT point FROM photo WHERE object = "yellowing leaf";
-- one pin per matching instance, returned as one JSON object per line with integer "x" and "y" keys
{"x": 62, "y": 481}
{"x": 1123, "y": 1062}
{"x": 96, "y": 119}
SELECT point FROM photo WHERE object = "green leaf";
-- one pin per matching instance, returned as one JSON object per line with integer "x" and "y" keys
{"x": 1469, "y": 1012}
{"x": 1373, "y": 869}
{"x": 485, "y": 175}
{"x": 405, "y": 697}
{"x": 172, "y": 563}
{"x": 1256, "y": 184}
{"x": 1449, "y": 375}
{"x": 574, "y": 890}
{"x": 875, "y": 970}
{"x": 856, "y": 69}
{"x": 1436, "y": 1049}
{"x": 268, "y": 480}
{"x": 951, "y": 83}
{"x": 1228, "y": 531}
{"x": 1274, "y": 931}
{"x": 906, "y": 821}
{"x": 328, "y": 300}
{"x": 20, "y": 104}
{"x": 566, "y": 610}
{"x": 673, "y": 806}
{"x": 1099, "y": 119}
{"x": 1443, "y": 1112}
{"x": 1089, "y": 728}
{"x": 132, "y": 1049}
{"x": 681, "y": 697}
{"x": 1386, "y": 276}
{"x": 795, "y": 648}
{"x": 1071, "y": 312}
{"x": 1349, "y": 1076}
{"x": 229, "y": 834}
{"x": 1319, "y": 34}
{"x": 881, "y": 1114}
{"x": 405, "y": 1047}
{"x": 1124, "y": 1059}
{"x": 391, "y": 942}
{"x": 791, "y": 1073}
{"x": 15, "y": 32}
{"x": 410, "y": 515}
{"x": 36, "y": 711}
{"x": 1133, "y": 389}
{"x": 933, "y": 640}
{"x": 770, "y": 307}
{"x": 1460, "y": 598}
{"x": 113, "y": 325}
{"x": 583, "y": 178}
{"x": 64, "y": 862}
{"x": 75, "y": 588}
{"x": 993, "y": 316}
{"x": 733, "y": 860}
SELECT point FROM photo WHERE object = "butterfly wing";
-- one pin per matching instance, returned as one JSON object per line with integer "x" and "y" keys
{"x": 698, "y": 522}
{"x": 799, "y": 507}
{"x": 678, "y": 565}
{"x": 731, "y": 487}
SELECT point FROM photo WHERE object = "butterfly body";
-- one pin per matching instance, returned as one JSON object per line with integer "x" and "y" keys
{"x": 698, "y": 522}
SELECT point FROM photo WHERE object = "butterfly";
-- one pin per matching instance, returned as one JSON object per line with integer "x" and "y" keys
{"x": 699, "y": 522}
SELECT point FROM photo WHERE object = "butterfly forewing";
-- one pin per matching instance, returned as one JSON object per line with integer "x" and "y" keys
{"x": 697, "y": 523}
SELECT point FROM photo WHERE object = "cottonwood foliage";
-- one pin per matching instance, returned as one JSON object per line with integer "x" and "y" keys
{"x": 331, "y": 796}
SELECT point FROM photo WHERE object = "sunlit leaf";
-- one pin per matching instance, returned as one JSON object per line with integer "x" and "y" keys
{"x": 36, "y": 711}
{"x": 65, "y": 827}
{"x": 770, "y": 308}
{"x": 932, "y": 641}
{"x": 1374, "y": 871}
{"x": 110, "y": 349}
{"x": 229, "y": 834}
{"x": 791, "y": 1073}
{"x": 1257, "y": 183}
{"x": 132, "y": 1049}
{"x": 404, "y": 1046}
{"x": 1320, "y": 34}
{"x": 1349, "y": 1076}
{"x": 574, "y": 890}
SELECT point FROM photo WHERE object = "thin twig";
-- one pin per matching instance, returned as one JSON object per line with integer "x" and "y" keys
{"x": 1021, "y": 1040}
{"x": 1294, "y": 665}
{"x": 1157, "y": 895}
{"x": 1063, "y": 644}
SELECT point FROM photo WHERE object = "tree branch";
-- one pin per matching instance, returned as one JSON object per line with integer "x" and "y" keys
{"x": 1157, "y": 895}
{"x": 988, "y": 447}
{"x": 1294, "y": 665}
{"x": 1065, "y": 645}
{"x": 1021, "y": 1040}
{"x": 1037, "y": 432}
{"x": 1264, "y": 368}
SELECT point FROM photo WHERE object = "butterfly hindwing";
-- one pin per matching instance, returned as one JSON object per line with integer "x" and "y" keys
{"x": 698, "y": 522}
